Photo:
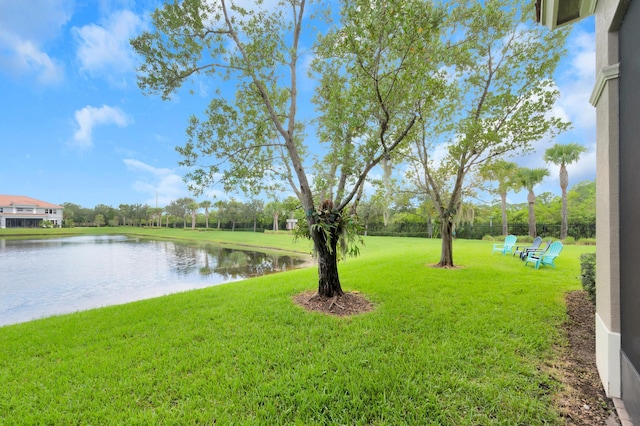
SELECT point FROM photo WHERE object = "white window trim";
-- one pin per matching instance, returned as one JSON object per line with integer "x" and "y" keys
{"x": 610, "y": 72}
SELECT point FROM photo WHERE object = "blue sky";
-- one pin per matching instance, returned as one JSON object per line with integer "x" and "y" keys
{"x": 75, "y": 127}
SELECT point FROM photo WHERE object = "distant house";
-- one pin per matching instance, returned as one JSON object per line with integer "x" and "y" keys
{"x": 18, "y": 211}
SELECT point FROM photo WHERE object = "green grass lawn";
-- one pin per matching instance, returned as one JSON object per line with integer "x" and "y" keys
{"x": 443, "y": 347}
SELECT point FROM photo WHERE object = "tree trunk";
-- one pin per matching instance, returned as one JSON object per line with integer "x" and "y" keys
{"x": 446, "y": 254}
{"x": 206, "y": 218}
{"x": 505, "y": 226}
{"x": 275, "y": 221}
{"x": 564, "y": 182}
{"x": 193, "y": 220}
{"x": 531, "y": 199}
{"x": 328, "y": 279}
{"x": 564, "y": 228}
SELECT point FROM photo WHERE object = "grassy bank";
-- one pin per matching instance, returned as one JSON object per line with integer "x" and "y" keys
{"x": 453, "y": 347}
{"x": 280, "y": 241}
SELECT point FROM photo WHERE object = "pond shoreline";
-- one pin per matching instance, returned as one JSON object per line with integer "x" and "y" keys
{"x": 57, "y": 274}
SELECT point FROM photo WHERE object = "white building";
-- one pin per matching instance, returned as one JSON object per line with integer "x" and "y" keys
{"x": 18, "y": 211}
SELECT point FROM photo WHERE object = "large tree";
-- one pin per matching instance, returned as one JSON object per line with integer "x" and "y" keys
{"x": 501, "y": 69}
{"x": 176, "y": 208}
{"x": 561, "y": 155}
{"x": 232, "y": 211}
{"x": 107, "y": 212}
{"x": 274, "y": 209}
{"x": 529, "y": 178}
{"x": 185, "y": 207}
{"x": 254, "y": 210}
{"x": 373, "y": 75}
{"x": 155, "y": 216}
{"x": 72, "y": 213}
{"x": 582, "y": 201}
{"x": 125, "y": 212}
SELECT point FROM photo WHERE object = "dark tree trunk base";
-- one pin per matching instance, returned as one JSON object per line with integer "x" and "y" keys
{"x": 446, "y": 254}
{"x": 348, "y": 304}
{"x": 328, "y": 279}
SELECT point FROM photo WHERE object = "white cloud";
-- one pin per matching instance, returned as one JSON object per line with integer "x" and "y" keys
{"x": 584, "y": 168}
{"x": 578, "y": 171}
{"x": 89, "y": 117}
{"x": 154, "y": 180}
{"x": 577, "y": 80}
{"x": 104, "y": 50}
{"x": 137, "y": 165}
{"x": 37, "y": 20}
{"x": 24, "y": 57}
{"x": 25, "y": 26}
{"x": 440, "y": 152}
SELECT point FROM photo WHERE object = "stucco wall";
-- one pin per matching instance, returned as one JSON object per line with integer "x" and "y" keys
{"x": 629, "y": 50}
{"x": 606, "y": 100}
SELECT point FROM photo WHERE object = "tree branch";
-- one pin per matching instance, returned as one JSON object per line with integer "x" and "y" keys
{"x": 374, "y": 162}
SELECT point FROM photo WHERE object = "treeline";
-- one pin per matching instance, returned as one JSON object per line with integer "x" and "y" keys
{"x": 186, "y": 212}
{"x": 403, "y": 214}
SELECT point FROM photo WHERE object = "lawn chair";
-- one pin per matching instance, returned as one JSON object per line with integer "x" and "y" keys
{"x": 521, "y": 250}
{"x": 507, "y": 247}
{"x": 546, "y": 258}
{"x": 536, "y": 252}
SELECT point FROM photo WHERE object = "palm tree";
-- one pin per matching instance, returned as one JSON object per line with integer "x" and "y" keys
{"x": 504, "y": 173}
{"x": 205, "y": 205}
{"x": 193, "y": 207}
{"x": 528, "y": 178}
{"x": 167, "y": 210}
{"x": 562, "y": 155}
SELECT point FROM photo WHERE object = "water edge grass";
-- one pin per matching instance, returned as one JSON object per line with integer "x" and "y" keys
{"x": 463, "y": 346}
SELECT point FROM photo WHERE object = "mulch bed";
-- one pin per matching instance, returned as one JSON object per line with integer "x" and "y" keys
{"x": 582, "y": 400}
{"x": 348, "y": 304}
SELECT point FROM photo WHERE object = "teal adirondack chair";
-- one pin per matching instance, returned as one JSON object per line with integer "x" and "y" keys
{"x": 523, "y": 250}
{"x": 507, "y": 247}
{"x": 546, "y": 258}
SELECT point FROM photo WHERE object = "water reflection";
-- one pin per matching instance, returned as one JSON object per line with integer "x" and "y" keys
{"x": 42, "y": 277}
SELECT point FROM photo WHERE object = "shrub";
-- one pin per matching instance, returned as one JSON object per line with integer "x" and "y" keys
{"x": 488, "y": 238}
{"x": 587, "y": 241}
{"x": 569, "y": 240}
{"x": 588, "y": 274}
{"x": 525, "y": 239}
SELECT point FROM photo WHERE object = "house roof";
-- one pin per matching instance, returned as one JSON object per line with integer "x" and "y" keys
{"x": 21, "y": 200}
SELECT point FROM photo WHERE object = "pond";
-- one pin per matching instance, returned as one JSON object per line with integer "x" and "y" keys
{"x": 43, "y": 277}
